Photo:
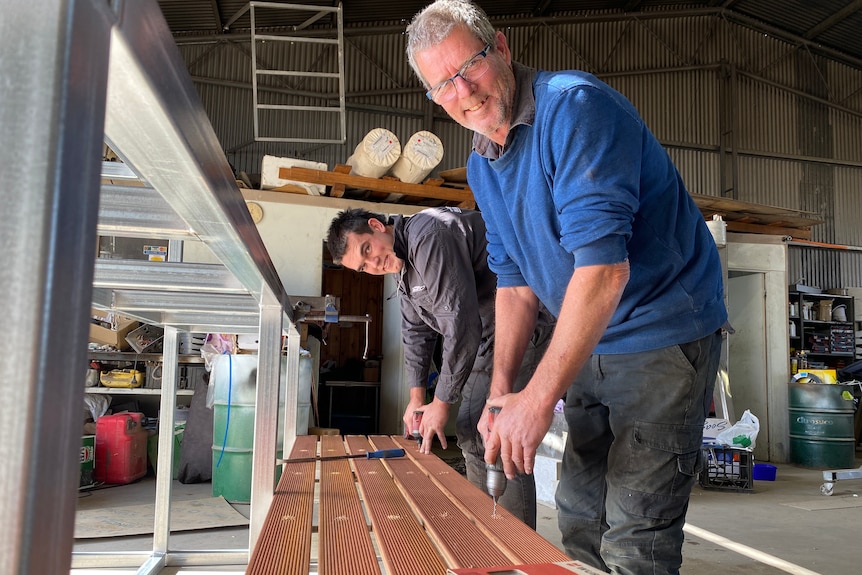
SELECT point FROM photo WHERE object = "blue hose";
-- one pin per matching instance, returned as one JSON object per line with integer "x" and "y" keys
{"x": 227, "y": 421}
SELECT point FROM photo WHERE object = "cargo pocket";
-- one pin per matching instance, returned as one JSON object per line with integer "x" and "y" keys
{"x": 662, "y": 469}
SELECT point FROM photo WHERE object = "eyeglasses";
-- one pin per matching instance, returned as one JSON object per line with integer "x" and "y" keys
{"x": 474, "y": 69}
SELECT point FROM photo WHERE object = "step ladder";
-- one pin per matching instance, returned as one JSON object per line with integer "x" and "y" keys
{"x": 286, "y": 117}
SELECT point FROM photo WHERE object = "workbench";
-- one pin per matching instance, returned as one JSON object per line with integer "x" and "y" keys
{"x": 413, "y": 515}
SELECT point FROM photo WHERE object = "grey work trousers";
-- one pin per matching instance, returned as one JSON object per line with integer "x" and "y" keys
{"x": 633, "y": 449}
{"x": 519, "y": 498}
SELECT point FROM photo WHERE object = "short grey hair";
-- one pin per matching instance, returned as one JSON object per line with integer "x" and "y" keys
{"x": 435, "y": 22}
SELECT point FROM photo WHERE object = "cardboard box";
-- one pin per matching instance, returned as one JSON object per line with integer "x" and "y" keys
{"x": 114, "y": 335}
{"x": 712, "y": 427}
{"x": 547, "y": 472}
{"x": 88, "y": 458}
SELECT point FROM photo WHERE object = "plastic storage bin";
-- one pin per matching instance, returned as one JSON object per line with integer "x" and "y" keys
{"x": 726, "y": 468}
{"x": 764, "y": 472}
{"x": 121, "y": 448}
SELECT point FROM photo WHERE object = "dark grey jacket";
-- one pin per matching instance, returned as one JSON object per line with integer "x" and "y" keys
{"x": 446, "y": 288}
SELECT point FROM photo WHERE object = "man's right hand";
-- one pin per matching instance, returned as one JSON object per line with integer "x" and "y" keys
{"x": 415, "y": 404}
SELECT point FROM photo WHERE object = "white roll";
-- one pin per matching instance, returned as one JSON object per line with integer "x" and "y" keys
{"x": 421, "y": 154}
{"x": 375, "y": 154}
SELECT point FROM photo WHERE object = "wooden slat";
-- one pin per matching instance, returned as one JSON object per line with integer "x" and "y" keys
{"x": 456, "y": 535}
{"x": 521, "y": 544}
{"x": 425, "y": 517}
{"x": 344, "y": 544}
{"x": 390, "y": 186}
{"x": 745, "y": 228}
{"x": 404, "y": 547}
{"x": 284, "y": 544}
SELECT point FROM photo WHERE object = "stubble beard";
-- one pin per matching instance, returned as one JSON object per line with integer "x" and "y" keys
{"x": 501, "y": 114}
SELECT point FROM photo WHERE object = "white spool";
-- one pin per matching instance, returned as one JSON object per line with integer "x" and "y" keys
{"x": 421, "y": 154}
{"x": 375, "y": 154}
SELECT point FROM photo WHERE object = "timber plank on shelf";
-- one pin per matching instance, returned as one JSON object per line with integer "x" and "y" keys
{"x": 748, "y": 217}
{"x": 451, "y": 188}
{"x": 342, "y": 183}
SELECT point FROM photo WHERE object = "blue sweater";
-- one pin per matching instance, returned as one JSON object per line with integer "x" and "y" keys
{"x": 583, "y": 183}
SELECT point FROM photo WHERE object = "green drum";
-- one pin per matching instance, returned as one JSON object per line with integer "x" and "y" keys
{"x": 821, "y": 425}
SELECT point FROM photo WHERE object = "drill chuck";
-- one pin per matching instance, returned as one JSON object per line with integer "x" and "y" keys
{"x": 414, "y": 431}
{"x": 495, "y": 479}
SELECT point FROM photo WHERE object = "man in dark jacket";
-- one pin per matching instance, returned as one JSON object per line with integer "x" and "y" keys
{"x": 439, "y": 259}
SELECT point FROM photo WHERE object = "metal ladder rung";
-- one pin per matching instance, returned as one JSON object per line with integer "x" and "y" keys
{"x": 306, "y": 39}
{"x": 297, "y": 73}
{"x": 304, "y": 108}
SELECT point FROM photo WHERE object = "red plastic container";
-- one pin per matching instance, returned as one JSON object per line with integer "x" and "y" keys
{"x": 121, "y": 448}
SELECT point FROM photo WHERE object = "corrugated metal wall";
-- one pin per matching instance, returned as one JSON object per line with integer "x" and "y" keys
{"x": 794, "y": 121}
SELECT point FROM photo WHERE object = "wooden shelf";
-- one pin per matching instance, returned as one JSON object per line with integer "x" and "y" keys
{"x": 343, "y": 184}
{"x": 130, "y": 356}
{"x": 132, "y": 391}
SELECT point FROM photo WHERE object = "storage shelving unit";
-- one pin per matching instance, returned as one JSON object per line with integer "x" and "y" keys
{"x": 147, "y": 361}
{"x": 823, "y": 339}
{"x": 112, "y": 74}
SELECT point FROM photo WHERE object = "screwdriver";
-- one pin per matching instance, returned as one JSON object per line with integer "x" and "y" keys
{"x": 379, "y": 454}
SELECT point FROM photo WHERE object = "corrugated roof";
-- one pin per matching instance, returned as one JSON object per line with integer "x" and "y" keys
{"x": 832, "y": 28}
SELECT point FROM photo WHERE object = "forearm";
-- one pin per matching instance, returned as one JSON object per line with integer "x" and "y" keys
{"x": 515, "y": 320}
{"x": 592, "y": 296}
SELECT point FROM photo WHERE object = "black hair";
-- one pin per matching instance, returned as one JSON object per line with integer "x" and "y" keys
{"x": 347, "y": 222}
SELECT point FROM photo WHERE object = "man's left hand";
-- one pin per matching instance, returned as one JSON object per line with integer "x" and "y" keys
{"x": 434, "y": 418}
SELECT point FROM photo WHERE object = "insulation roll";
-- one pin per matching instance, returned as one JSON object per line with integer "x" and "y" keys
{"x": 375, "y": 154}
{"x": 421, "y": 154}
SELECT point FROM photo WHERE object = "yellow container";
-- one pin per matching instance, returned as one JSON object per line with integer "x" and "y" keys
{"x": 816, "y": 376}
{"x": 122, "y": 378}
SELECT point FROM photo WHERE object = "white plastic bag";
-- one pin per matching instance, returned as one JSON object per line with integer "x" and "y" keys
{"x": 743, "y": 433}
{"x": 216, "y": 344}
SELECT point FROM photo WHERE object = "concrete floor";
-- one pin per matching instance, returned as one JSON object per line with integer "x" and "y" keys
{"x": 764, "y": 524}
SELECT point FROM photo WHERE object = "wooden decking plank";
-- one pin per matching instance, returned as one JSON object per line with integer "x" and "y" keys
{"x": 284, "y": 544}
{"x": 404, "y": 546}
{"x": 341, "y": 522}
{"x": 520, "y": 543}
{"x": 455, "y": 533}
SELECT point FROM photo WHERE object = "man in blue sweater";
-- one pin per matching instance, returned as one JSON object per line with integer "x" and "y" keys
{"x": 440, "y": 264}
{"x": 587, "y": 214}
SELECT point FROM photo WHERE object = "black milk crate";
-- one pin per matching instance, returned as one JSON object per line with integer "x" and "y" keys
{"x": 727, "y": 468}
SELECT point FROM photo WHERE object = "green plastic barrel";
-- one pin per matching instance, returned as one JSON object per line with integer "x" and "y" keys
{"x": 235, "y": 378}
{"x": 821, "y": 425}
{"x": 235, "y": 389}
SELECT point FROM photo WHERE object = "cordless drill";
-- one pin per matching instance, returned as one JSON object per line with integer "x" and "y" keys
{"x": 495, "y": 479}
